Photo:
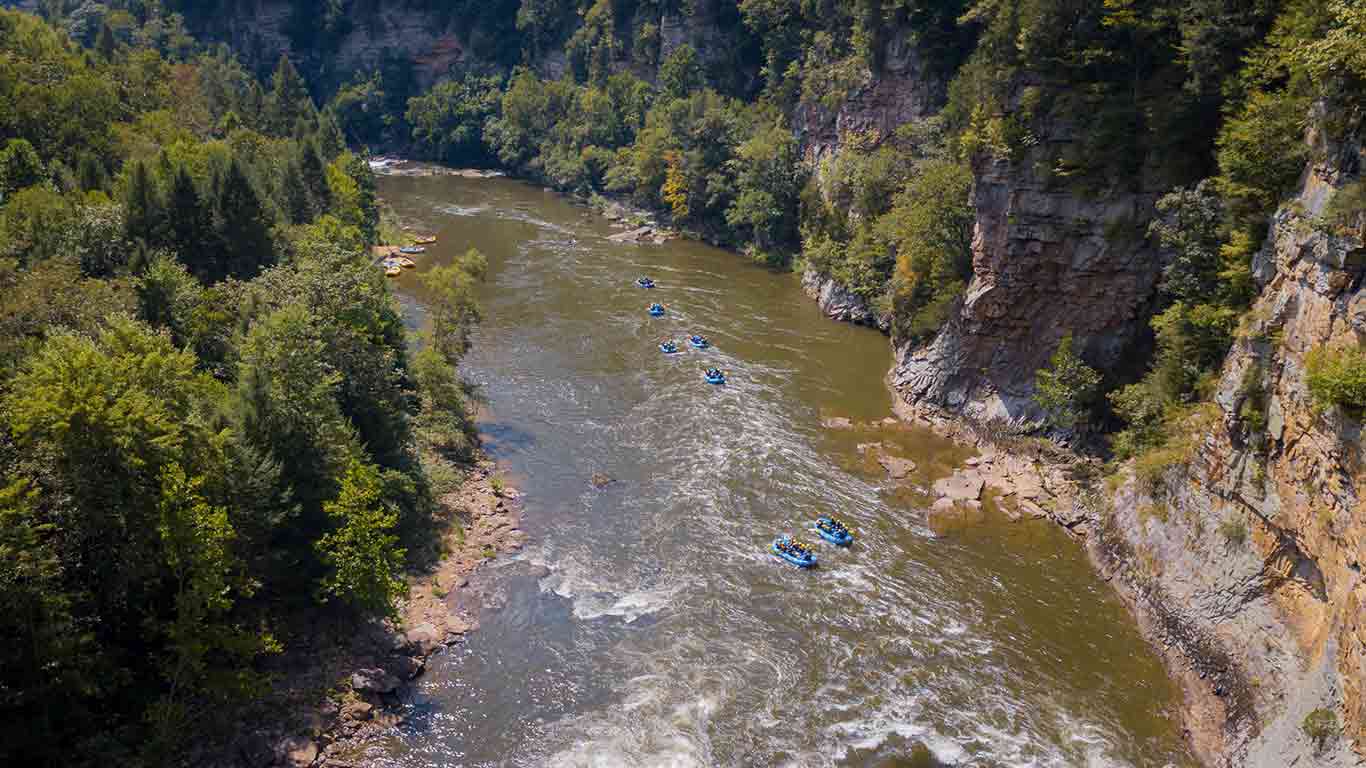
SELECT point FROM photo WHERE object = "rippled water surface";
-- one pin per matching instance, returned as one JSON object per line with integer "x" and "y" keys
{"x": 646, "y": 625}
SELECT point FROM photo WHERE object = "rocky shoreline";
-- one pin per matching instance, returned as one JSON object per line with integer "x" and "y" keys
{"x": 364, "y": 672}
{"x": 1226, "y": 701}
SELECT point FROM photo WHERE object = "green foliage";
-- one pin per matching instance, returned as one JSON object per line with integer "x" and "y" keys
{"x": 208, "y": 426}
{"x": 680, "y": 74}
{"x": 448, "y": 121}
{"x": 1321, "y": 726}
{"x": 1262, "y": 151}
{"x": 1234, "y": 531}
{"x": 452, "y": 304}
{"x": 363, "y": 551}
{"x": 767, "y": 182}
{"x": 20, "y": 167}
{"x": 1337, "y": 377}
{"x": 1067, "y": 388}
{"x": 930, "y": 225}
{"x": 1346, "y": 210}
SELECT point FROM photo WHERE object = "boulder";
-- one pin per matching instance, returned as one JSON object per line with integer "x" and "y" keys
{"x": 633, "y": 235}
{"x": 896, "y": 466}
{"x": 407, "y": 667}
{"x": 960, "y": 487}
{"x": 426, "y": 638}
{"x": 838, "y": 422}
{"x": 374, "y": 681}
{"x": 296, "y": 752}
{"x": 357, "y": 710}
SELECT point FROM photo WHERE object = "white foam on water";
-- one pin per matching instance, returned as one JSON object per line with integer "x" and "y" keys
{"x": 452, "y": 209}
{"x": 594, "y": 599}
{"x": 651, "y": 727}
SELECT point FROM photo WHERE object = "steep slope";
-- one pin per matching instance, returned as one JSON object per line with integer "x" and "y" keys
{"x": 1246, "y": 565}
{"x": 1047, "y": 261}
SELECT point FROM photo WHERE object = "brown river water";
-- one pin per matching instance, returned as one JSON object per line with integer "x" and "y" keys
{"x": 646, "y": 624}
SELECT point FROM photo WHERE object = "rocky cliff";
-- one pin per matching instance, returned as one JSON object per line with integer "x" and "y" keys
{"x": 1242, "y": 558}
{"x": 257, "y": 31}
{"x": 1047, "y": 260}
{"x": 1246, "y": 563}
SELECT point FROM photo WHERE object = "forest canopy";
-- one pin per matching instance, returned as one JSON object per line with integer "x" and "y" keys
{"x": 211, "y": 430}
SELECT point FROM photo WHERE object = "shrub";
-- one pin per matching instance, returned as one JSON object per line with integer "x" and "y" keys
{"x": 1234, "y": 530}
{"x": 1337, "y": 377}
{"x": 1321, "y": 726}
{"x": 1067, "y": 387}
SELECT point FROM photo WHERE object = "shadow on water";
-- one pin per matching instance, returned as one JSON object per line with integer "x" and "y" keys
{"x": 647, "y": 624}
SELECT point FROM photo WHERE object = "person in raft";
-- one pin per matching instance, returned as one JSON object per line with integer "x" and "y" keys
{"x": 834, "y": 526}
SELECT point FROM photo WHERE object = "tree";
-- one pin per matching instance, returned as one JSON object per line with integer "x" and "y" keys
{"x": 362, "y": 551}
{"x": 930, "y": 225}
{"x": 143, "y": 212}
{"x": 168, "y": 296}
{"x": 331, "y": 142}
{"x": 191, "y": 222}
{"x": 448, "y": 121}
{"x": 20, "y": 167}
{"x": 768, "y": 183}
{"x": 366, "y": 198}
{"x": 1067, "y": 388}
{"x": 298, "y": 202}
{"x": 453, "y": 305}
{"x": 1190, "y": 229}
{"x": 47, "y": 658}
{"x": 288, "y": 101}
{"x": 314, "y": 173}
{"x": 242, "y": 227}
{"x": 680, "y": 74}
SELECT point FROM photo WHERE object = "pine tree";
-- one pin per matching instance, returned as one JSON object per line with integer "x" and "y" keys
{"x": 315, "y": 176}
{"x": 189, "y": 219}
{"x": 90, "y": 172}
{"x": 243, "y": 229}
{"x": 143, "y": 211}
{"x": 105, "y": 43}
{"x": 331, "y": 142}
{"x": 366, "y": 199}
{"x": 288, "y": 101}
{"x": 298, "y": 201}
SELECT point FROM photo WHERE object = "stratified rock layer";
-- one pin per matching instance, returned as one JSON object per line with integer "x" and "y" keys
{"x": 1046, "y": 262}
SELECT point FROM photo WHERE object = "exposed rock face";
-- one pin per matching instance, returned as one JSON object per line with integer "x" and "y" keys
{"x": 257, "y": 30}
{"x": 840, "y": 303}
{"x": 906, "y": 89}
{"x": 1247, "y": 568}
{"x": 1046, "y": 261}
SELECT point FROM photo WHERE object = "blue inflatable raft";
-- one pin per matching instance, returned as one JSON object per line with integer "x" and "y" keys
{"x": 833, "y": 533}
{"x": 805, "y": 560}
{"x": 411, "y": 250}
{"x": 716, "y": 377}
{"x": 657, "y": 310}
{"x": 698, "y": 342}
{"x": 645, "y": 282}
{"x": 669, "y": 348}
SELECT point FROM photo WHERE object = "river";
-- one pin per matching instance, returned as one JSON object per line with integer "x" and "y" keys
{"x": 646, "y": 624}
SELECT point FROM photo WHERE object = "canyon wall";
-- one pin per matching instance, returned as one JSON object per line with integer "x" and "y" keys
{"x": 1246, "y": 563}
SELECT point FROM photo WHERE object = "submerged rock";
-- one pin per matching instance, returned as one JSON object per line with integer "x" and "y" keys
{"x": 897, "y": 467}
{"x": 962, "y": 486}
